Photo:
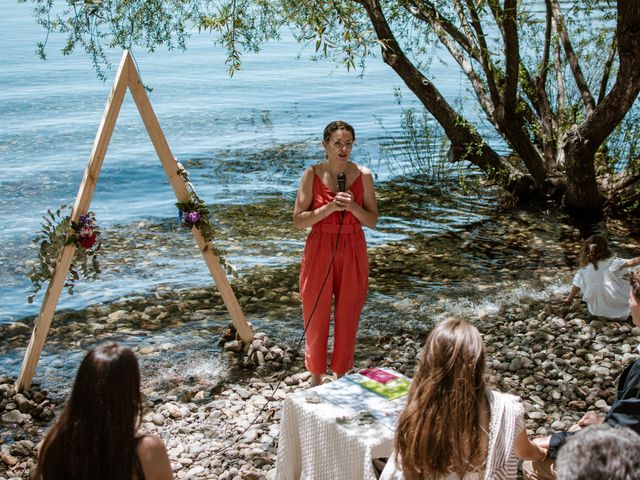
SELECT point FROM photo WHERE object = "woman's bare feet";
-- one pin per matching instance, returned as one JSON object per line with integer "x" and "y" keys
{"x": 315, "y": 380}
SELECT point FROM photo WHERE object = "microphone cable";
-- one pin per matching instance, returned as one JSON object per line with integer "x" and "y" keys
{"x": 341, "y": 188}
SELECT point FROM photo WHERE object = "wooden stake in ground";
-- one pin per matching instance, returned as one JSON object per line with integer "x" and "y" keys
{"x": 126, "y": 77}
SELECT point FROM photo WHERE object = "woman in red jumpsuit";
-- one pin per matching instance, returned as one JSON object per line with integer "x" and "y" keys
{"x": 336, "y": 219}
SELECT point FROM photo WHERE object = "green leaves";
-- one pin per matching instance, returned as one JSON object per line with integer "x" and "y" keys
{"x": 96, "y": 26}
{"x": 338, "y": 29}
{"x": 58, "y": 231}
{"x": 201, "y": 221}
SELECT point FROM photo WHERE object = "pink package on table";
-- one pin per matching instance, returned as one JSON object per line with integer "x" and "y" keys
{"x": 378, "y": 375}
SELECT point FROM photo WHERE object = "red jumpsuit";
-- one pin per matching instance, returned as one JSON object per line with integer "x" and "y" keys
{"x": 347, "y": 282}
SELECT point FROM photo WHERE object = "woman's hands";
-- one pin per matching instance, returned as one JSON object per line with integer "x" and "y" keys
{"x": 572, "y": 294}
{"x": 542, "y": 442}
{"x": 526, "y": 449}
{"x": 343, "y": 201}
{"x": 590, "y": 418}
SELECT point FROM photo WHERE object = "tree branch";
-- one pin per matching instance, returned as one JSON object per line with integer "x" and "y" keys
{"x": 610, "y": 112}
{"x": 463, "y": 20}
{"x": 558, "y": 68}
{"x": 547, "y": 117}
{"x": 450, "y": 43}
{"x": 511, "y": 53}
{"x": 541, "y": 79}
{"x": 507, "y": 116}
{"x": 478, "y": 86}
{"x": 466, "y": 143}
{"x": 487, "y": 66}
{"x": 604, "y": 83}
{"x": 572, "y": 58}
{"x": 583, "y": 141}
{"x": 428, "y": 13}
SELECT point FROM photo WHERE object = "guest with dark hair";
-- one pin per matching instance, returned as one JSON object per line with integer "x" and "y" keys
{"x": 625, "y": 411}
{"x": 453, "y": 426}
{"x": 600, "y": 452}
{"x": 96, "y": 435}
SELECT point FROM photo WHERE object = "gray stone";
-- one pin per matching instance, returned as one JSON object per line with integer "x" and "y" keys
{"x": 197, "y": 470}
{"x": 233, "y": 346}
{"x": 158, "y": 419}
{"x": 24, "y": 404}
{"x": 14, "y": 416}
{"x": 243, "y": 393}
{"x": 117, "y": 316}
{"x": 23, "y": 448}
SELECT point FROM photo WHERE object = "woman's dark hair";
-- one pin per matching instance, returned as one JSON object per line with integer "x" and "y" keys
{"x": 94, "y": 437}
{"x": 594, "y": 249}
{"x": 337, "y": 125}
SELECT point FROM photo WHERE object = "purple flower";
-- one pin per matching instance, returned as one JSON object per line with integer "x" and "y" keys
{"x": 192, "y": 217}
{"x": 84, "y": 220}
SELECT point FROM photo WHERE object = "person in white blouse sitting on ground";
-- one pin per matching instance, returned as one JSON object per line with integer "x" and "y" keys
{"x": 453, "y": 426}
{"x": 601, "y": 279}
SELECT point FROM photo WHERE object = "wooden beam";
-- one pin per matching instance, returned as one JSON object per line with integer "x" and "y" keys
{"x": 127, "y": 76}
{"x": 181, "y": 191}
{"x": 83, "y": 200}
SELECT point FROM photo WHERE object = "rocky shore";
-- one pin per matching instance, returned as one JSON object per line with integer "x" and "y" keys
{"x": 506, "y": 275}
{"x": 559, "y": 359}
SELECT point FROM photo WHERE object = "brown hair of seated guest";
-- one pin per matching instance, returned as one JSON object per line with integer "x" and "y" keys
{"x": 594, "y": 249}
{"x": 442, "y": 414}
{"x": 95, "y": 435}
{"x": 634, "y": 280}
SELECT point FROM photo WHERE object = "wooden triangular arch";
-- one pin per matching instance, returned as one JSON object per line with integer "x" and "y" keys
{"x": 126, "y": 77}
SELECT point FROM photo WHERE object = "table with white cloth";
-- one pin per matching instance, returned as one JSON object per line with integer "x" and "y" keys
{"x": 333, "y": 431}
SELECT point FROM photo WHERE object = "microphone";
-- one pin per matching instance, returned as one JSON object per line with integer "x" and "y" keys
{"x": 342, "y": 186}
{"x": 342, "y": 182}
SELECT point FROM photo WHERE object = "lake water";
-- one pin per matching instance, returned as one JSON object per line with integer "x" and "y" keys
{"x": 246, "y": 137}
{"x": 245, "y": 141}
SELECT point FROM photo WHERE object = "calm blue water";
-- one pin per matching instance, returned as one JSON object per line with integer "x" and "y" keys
{"x": 50, "y": 112}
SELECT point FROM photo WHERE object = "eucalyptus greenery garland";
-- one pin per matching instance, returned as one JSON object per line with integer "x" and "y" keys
{"x": 58, "y": 231}
{"x": 196, "y": 213}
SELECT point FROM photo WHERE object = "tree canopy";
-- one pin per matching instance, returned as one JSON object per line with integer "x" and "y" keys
{"x": 553, "y": 79}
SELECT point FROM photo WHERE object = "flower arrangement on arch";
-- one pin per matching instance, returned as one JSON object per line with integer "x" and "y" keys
{"x": 58, "y": 231}
{"x": 86, "y": 232}
{"x": 195, "y": 213}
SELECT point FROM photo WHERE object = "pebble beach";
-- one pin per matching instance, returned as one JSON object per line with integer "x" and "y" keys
{"x": 224, "y": 424}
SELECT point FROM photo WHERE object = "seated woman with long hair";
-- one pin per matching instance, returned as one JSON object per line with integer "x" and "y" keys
{"x": 96, "y": 437}
{"x": 453, "y": 426}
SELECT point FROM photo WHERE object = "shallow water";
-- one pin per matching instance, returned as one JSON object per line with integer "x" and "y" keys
{"x": 245, "y": 146}
{"x": 241, "y": 138}
{"x": 478, "y": 269}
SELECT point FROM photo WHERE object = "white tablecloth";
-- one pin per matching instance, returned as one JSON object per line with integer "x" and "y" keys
{"x": 323, "y": 440}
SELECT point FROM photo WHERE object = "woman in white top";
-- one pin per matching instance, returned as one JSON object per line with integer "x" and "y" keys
{"x": 453, "y": 426}
{"x": 601, "y": 280}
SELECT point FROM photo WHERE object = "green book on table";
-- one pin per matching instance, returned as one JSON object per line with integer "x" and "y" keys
{"x": 382, "y": 382}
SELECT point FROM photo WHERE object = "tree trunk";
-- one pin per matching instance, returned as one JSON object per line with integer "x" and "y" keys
{"x": 582, "y": 142}
{"x": 624, "y": 196}
{"x": 466, "y": 142}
